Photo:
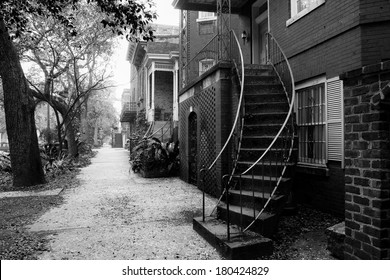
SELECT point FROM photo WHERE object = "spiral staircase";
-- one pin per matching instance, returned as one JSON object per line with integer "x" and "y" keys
{"x": 246, "y": 217}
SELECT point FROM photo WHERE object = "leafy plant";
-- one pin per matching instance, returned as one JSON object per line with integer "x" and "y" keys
{"x": 152, "y": 155}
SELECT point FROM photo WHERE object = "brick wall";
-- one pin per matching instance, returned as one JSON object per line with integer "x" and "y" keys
{"x": 337, "y": 37}
{"x": 367, "y": 163}
{"x": 324, "y": 192}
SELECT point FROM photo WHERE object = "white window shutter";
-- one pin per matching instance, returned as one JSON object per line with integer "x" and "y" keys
{"x": 335, "y": 117}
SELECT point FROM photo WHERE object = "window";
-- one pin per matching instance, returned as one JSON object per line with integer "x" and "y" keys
{"x": 311, "y": 124}
{"x": 205, "y": 65}
{"x": 300, "y": 8}
{"x": 319, "y": 108}
{"x": 206, "y": 16}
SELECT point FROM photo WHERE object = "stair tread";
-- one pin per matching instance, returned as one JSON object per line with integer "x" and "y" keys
{"x": 261, "y": 177}
{"x": 273, "y": 163}
{"x": 268, "y": 113}
{"x": 257, "y": 194}
{"x": 247, "y": 211}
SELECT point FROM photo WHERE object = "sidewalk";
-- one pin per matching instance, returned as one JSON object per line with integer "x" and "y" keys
{"x": 116, "y": 214}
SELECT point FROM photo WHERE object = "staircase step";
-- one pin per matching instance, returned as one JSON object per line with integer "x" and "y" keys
{"x": 263, "y": 142}
{"x": 242, "y": 245}
{"x": 254, "y": 199}
{"x": 265, "y": 118}
{"x": 261, "y": 183}
{"x": 264, "y": 90}
{"x": 266, "y": 107}
{"x": 267, "y": 169}
{"x": 261, "y": 129}
{"x": 264, "y": 225}
{"x": 258, "y": 71}
{"x": 269, "y": 80}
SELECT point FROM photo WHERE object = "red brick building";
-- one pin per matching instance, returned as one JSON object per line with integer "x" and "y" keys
{"x": 338, "y": 53}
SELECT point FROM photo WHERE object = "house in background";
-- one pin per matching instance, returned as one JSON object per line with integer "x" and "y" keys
{"x": 314, "y": 119}
{"x": 154, "y": 79}
{"x": 128, "y": 114}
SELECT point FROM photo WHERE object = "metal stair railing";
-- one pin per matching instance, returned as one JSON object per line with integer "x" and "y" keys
{"x": 286, "y": 134}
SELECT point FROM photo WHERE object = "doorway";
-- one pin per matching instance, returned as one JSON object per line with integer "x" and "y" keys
{"x": 259, "y": 31}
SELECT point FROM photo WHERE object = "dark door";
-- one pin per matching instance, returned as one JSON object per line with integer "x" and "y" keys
{"x": 192, "y": 149}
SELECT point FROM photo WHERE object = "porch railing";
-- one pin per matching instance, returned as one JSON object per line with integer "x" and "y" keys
{"x": 206, "y": 58}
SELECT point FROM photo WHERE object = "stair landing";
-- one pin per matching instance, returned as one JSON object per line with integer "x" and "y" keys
{"x": 242, "y": 245}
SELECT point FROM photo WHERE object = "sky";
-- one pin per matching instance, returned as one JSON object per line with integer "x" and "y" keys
{"x": 166, "y": 15}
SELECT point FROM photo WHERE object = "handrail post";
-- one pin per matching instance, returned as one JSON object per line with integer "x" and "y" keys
{"x": 226, "y": 183}
{"x": 202, "y": 172}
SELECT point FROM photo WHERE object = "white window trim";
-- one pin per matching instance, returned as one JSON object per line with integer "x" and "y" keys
{"x": 204, "y": 19}
{"x": 302, "y": 13}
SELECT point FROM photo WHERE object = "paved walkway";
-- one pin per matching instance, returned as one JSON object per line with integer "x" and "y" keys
{"x": 116, "y": 214}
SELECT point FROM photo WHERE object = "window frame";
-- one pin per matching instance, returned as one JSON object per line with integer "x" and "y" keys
{"x": 307, "y": 85}
{"x": 329, "y": 117}
{"x": 295, "y": 15}
{"x": 202, "y": 18}
{"x": 205, "y": 60}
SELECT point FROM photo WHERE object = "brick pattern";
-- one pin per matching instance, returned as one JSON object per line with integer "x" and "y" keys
{"x": 336, "y": 37}
{"x": 367, "y": 160}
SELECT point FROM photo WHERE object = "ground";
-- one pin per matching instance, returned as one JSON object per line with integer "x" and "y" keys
{"x": 90, "y": 216}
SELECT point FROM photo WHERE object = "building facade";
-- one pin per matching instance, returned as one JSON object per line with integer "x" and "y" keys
{"x": 154, "y": 76}
{"x": 338, "y": 52}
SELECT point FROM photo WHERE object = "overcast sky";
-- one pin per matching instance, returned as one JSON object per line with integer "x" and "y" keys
{"x": 166, "y": 13}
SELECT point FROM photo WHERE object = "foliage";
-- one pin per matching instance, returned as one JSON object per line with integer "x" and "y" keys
{"x": 101, "y": 114}
{"x": 122, "y": 17}
{"x": 151, "y": 155}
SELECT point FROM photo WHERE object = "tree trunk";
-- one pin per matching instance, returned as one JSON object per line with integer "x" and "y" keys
{"x": 70, "y": 137}
{"x": 19, "y": 111}
{"x": 95, "y": 135}
{"x": 84, "y": 137}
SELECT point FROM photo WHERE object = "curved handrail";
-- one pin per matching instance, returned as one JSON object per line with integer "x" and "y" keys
{"x": 242, "y": 81}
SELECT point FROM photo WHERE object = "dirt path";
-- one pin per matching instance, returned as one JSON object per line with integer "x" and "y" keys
{"x": 115, "y": 214}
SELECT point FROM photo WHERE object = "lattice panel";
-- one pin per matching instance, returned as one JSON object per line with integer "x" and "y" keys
{"x": 205, "y": 106}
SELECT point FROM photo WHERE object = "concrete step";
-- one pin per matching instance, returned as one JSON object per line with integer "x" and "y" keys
{"x": 247, "y": 245}
{"x": 264, "y": 225}
{"x": 255, "y": 200}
